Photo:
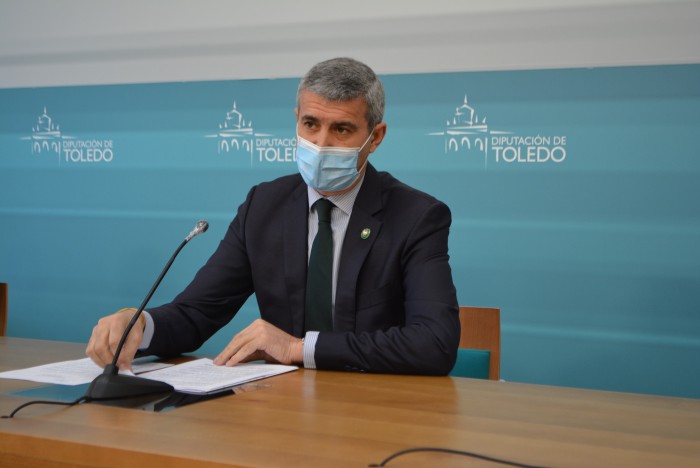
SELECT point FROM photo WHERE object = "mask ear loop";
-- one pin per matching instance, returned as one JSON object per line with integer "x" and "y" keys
{"x": 371, "y": 134}
{"x": 359, "y": 171}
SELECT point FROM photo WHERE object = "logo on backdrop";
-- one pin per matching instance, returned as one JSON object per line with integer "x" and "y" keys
{"x": 468, "y": 133}
{"x": 236, "y": 136}
{"x": 47, "y": 138}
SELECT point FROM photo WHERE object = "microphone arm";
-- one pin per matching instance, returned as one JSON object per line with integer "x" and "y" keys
{"x": 110, "y": 385}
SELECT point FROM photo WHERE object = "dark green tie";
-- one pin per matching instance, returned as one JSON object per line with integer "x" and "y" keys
{"x": 319, "y": 280}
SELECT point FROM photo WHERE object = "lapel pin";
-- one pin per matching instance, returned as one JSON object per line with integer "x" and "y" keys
{"x": 365, "y": 233}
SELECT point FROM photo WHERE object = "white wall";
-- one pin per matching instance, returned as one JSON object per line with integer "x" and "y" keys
{"x": 73, "y": 42}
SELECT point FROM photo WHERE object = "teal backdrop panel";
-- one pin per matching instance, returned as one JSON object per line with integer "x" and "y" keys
{"x": 574, "y": 196}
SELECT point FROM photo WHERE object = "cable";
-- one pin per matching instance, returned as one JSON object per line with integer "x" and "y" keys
{"x": 452, "y": 451}
{"x": 43, "y": 402}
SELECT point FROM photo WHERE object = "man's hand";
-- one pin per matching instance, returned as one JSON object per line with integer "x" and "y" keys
{"x": 262, "y": 340}
{"x": 106, "y": 335}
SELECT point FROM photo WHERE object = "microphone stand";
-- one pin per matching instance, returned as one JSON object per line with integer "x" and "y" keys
{"x": 111, "y": 385}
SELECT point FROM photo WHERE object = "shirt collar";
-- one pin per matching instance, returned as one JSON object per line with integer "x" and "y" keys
{"x": 344, "y": 201}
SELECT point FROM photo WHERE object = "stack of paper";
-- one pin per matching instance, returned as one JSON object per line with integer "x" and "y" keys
{"x": 199, "y": 376}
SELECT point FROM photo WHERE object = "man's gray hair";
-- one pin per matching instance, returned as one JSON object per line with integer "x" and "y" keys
{"x": 345, "y": 79}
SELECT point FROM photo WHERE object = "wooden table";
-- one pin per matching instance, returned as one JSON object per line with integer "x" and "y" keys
{"x": 331, "y": 419}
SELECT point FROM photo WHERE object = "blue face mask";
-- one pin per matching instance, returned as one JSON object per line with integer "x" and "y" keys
{"x": 328, "y": 168}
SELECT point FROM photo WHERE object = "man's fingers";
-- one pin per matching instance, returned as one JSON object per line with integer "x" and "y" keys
{"x": 241, "y": 346}
{"x": 132, "y": 342}
{"x": 244, "y": 337}
{"x": 106, "y": 337}
{"x": 229, "y": 351}
{"x": 99, "y": 349}
{"x": 259, "y": 356}
{"x": 131, "y": 345}
{"x": 246, "y": 354}
{"x": 260, "y": 340}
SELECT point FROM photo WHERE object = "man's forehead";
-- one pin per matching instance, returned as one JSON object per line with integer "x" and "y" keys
{"x": 313, "y": 106}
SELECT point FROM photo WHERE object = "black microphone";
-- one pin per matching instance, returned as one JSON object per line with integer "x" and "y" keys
{"x": 111, "y": 385}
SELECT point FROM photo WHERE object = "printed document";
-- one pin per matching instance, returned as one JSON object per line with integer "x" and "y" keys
{"x": 76, "y": 372}
{"x": 203, "y": 376}
{"x": 199, "y": 376}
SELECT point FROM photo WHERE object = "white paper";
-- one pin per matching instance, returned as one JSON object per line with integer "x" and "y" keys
{"x": 203, "y": 376}
{"x": 76, "y": 372}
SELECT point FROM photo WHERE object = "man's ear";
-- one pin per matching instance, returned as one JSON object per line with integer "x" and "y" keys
{"x": 379, "y": 133}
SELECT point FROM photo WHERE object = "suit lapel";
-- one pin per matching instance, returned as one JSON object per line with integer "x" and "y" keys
{"x": 356, "y": 246}
{"x": 295, "y": 255}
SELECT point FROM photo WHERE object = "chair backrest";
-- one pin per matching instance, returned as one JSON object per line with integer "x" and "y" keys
{"x": 3, "y": 309}
{"x": 481, "y": 329}
{"x": 472, "y": 363}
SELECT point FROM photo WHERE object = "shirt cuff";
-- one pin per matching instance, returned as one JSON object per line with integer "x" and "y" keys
{"x": 148, "y": 331}
{"x": 309, "y": 349}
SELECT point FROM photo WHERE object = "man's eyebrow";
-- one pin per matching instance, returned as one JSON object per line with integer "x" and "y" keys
{"x": 345, "y": 123}
{"x": 309, "y": 117}
{"x": 340, "y": 123}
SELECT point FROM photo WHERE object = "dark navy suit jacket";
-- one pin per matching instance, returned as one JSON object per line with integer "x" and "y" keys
{"x": 395, "y": 307}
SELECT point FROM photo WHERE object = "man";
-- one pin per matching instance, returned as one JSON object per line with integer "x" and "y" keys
{"x": 390, "y": 304}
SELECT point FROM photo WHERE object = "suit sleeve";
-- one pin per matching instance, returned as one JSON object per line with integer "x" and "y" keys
{"x": 427, "y": 339}
{"x": 211, "y": 300}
